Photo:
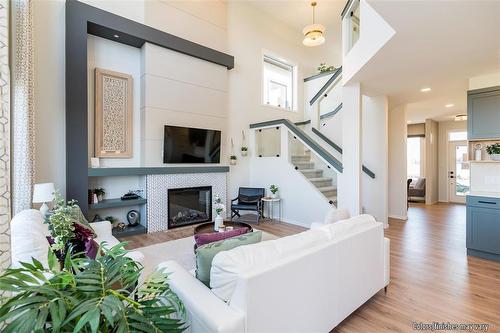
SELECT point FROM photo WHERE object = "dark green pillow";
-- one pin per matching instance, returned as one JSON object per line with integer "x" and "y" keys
{"x": 206, "y": 253}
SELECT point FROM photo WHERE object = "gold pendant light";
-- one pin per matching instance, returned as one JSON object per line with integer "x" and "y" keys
{"x": 313, "y": 33}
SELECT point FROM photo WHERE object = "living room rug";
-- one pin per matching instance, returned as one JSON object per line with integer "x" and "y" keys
{"x": 181, "y": 250}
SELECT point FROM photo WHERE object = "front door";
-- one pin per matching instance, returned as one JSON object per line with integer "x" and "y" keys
{"x": 458, "y": 173}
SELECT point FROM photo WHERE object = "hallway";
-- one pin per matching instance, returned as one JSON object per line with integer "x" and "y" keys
{"x": 432, "y": 279}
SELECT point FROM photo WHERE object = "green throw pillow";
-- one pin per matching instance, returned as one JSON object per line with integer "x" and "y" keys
{"x": 206, "y": 253}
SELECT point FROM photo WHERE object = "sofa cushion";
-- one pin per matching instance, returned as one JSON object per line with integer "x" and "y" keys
{"x": 210, "y": 237}
{"x": 28, "y": 238}
{"x": 347, "y": 227}
{"x": 206, "y": 253}
{"x": 227, "y": 266}
{"x": 335, "y": 215}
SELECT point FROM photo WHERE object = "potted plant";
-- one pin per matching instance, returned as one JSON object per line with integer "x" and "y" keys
{"x": 219, "y": 209}
{"x": 244, "y": 148}
{"x": 244, "y": 151}
{"x": 88, "y": 295}
{"x": 274, "y": 190}
{"x": 100, "y": 193}
{"x": 323, "y": 67}
{"x": 232, "y": 160}
{"x": 494, "y": 151}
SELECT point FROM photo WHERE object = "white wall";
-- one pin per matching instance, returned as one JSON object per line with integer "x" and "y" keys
{"x": 397, "y": 163}
{"x": 249, "y": 32}
{"x": 431, "y": 162}
{"x": 446, "y": 127}
{"x": 374, "y": 192}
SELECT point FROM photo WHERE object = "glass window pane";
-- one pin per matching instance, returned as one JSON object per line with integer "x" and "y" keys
{"x": 462, "y": 170}
{"x": 413, "y": 157}
{"x": 278, "y": 83}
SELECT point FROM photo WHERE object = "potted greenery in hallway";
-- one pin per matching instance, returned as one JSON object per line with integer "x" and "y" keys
{"x": 88, "y": 295}
{"x": 274, "y": 191}
{"x": 494, "y": 151}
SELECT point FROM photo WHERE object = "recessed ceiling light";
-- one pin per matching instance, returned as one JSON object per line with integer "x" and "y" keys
{"x": 425, "y": 89}
{"x": 116, "y": 36}
{"x": 449, "y": 105}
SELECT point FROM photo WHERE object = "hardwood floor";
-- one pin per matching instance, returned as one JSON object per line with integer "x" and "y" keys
{"x": 432, "y": 279}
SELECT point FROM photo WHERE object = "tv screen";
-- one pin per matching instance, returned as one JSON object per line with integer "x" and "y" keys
{"x": 191, "y": 145}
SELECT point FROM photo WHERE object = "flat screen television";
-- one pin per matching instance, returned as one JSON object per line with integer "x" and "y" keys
{"x": 191, "y": 145}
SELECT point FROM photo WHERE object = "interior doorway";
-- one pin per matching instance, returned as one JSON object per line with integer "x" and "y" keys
{"x": 458, "y": 172}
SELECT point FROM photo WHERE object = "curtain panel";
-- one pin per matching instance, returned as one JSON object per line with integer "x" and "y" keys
{"x": 23, "y": 116}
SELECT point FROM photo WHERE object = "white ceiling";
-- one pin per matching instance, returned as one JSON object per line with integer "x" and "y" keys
{"x": 297, "y": 14}
{"x": 439, "y": 44}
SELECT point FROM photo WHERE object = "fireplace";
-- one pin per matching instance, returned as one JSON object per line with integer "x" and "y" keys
{"x": 189, "y": 205}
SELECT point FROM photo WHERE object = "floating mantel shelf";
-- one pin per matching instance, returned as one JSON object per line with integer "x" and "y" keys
{"x": 109, "y": 203}
{"x": 130, "y": 231}
{"x": 105, "y": 172}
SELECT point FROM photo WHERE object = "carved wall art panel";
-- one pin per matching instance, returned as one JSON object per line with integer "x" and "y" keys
{"x": 113, "y": 114}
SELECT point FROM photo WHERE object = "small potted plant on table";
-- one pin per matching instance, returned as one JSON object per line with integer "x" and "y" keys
{"x": 274, "y": 191}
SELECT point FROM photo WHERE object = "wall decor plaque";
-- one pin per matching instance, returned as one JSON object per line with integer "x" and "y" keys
{"x": 113, "y": 114}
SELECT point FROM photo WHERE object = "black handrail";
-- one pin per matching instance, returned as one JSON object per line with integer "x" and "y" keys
{"x": 329, "y": 158}
{"x": 335, "y": 75}
{"x": 339, "y": 149}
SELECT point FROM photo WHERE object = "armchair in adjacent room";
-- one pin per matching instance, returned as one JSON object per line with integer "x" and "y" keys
{"x": 249, "y": 198}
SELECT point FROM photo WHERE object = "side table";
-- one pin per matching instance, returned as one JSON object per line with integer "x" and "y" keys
{"x": 270, "y": 206}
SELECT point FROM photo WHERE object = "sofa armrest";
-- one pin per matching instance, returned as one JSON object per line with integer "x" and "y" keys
{"x": 206, "y": 312}
{"x": 102, "y": 229}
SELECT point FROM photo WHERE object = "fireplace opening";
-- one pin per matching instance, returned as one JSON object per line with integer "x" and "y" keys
{"x": 189, "y": 205}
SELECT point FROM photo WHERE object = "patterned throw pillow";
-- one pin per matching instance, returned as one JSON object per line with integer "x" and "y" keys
{"x": 206, "y": 253}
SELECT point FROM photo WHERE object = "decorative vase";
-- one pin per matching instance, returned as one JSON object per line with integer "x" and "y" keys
{"x": 244, "y": 152}
{"x": 495, "y": 157}
{"x": 100, "y": 197}
{"x": 218, "y": 222}
{"x": 274, "y": 195}
{"x": 232, "y": 162}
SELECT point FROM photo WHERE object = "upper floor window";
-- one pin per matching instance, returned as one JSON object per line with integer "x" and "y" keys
{"x": 352, "y": 25}
{"x": 279, "y": 83}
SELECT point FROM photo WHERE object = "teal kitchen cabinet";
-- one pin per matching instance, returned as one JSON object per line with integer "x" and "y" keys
{"x": 483, "y": 113}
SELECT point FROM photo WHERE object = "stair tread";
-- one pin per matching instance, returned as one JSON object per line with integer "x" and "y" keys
{"x": 311, "y": 170}
{"x": 327, "y": 188}
{"x": 320, "y": 179}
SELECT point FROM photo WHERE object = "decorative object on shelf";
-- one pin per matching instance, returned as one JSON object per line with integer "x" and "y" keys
{"x": 313, "y": 33}
{"x": 113, "y": 220}
{"x": 244, "y": 148}
{"x": 113, "y": 296}
{"x": 100, "y": 194}
{"x": 478, "y": 150}
{"x": 274, "y": 190}
{"x": 219, "y": 208}
{"x": 44, "y": 193}
{"x": 94, "y": 162}
{"x": 494, "y": 151}
{"x": 131, "y": 195}
{"x": 97, "y": 218}
{"x": 120, "y": 226}
{"x": 113, "y": 114}
{"x": 232, "y": 160}
{"x": 133, "y": 218}
{"x": 323, "y": 67}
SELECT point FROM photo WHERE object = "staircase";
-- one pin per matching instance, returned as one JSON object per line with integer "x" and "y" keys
{"x": 305, "y": 164}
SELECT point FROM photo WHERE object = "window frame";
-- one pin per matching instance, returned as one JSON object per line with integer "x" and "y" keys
{"x": 294, "y": 84}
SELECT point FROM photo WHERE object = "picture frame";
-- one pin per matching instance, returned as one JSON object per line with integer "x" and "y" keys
{"x": 113, "y": 113}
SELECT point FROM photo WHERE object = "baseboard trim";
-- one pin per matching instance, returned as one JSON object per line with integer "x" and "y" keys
{"x": 399, "y": 217}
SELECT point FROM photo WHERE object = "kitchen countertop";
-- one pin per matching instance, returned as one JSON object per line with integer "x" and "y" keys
{"x": 484, "y": 194}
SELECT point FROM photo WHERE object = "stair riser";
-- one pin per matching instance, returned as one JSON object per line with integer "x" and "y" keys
{"x": 300, "y": 159}
{"x": 313, "y": 174}
{"x": 321, "y": 183}
{"x": 301, "y": 166}
{"x": 329, "y": 193}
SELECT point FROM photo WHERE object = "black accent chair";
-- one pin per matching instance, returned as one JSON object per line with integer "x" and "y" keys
{"x": 249, "y": 198}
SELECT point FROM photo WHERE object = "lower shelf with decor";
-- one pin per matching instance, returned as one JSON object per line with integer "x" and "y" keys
{"x": 130, "y": 231}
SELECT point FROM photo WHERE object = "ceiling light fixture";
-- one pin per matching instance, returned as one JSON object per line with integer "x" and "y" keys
{"x": 449, "y": 105}
{"x": 460, "y": 117}
{"x": 313, "y": 33}
{"x": 425, "y": 89}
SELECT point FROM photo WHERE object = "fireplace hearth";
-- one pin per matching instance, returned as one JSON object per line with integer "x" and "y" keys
{"x": 190, "y": 205}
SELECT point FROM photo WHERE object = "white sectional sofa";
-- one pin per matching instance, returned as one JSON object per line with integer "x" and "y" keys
{"x": 308, "y": 282}
{"x": 28, "y": 238}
